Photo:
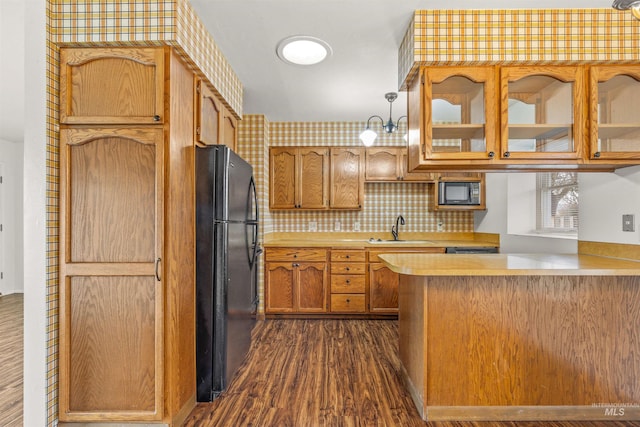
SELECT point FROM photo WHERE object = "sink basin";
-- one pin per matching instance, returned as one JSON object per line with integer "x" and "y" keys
{"x": 398, "y": 242}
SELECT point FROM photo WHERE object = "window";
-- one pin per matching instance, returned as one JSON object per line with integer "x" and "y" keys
{"x": 557, "y": 202}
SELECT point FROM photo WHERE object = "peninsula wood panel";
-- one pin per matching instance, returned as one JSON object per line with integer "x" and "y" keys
{"x": 527, "y": 347}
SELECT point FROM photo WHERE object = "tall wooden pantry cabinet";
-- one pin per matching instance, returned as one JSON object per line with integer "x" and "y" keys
{"x": 127, "y": 243}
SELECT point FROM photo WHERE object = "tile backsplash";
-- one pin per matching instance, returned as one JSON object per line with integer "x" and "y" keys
{"x": 383, "y": 202}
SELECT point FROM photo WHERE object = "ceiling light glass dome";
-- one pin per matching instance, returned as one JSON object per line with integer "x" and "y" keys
{"x": 303, "y": 50}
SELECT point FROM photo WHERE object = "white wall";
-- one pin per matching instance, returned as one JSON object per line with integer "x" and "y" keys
{"x": 496, "y": 219}
{"x": 35, "y": 248}
{"x": 604, "y": 198}
{"x": 11, "y": 159}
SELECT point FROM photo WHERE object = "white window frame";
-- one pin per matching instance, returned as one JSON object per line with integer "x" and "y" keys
{"x": 547, "y": 222}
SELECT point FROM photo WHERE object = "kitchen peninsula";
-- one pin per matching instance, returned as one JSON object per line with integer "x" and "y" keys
{"x": 520, "y": 336}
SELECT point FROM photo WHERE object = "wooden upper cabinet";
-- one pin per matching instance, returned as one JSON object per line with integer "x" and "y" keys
{"x": 112, "y": 85}
{"x": 459, "y": 112}
{"x": 614, "y": 120}
{"x": 208, "y": 115}
{"x": 389, "y": 164}
{"x": 542, "y": 112}
{"x": 229, "y": 130}
{"x": 299, "y": 178}
{"x": 382, "y": 164}
{"x": 313, "y": 178}
{"x": 347, "y": 178}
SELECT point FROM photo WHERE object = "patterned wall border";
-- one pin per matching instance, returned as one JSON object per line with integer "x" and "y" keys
{"x": 554, "y": 36}
{"x": 148, "y": 23}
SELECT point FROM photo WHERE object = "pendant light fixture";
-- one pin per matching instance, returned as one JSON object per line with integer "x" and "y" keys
{"x": 633, "y": 5}
{"x": 368, "y": 136}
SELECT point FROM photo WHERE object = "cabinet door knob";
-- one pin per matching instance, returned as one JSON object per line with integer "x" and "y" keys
{"x": 507, "y": 154}
{"x": 295, "y": 255}
{"x": 347, "y": 268}
{"x": 596, "y": 154}
{"x": 491, "y": 154}
{"x": 156, "y": 118}
{"x": 348, "y": 300}
{"x": 348, "y": 281}
{"x": 348, "y": 256}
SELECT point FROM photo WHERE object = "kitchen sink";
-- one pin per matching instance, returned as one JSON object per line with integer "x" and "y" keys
{"x": 398, "y": 242}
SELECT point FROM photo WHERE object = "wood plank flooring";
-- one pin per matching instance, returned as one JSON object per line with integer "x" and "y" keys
{"x": 327, "y": 373}
{"x": 11, "y": 355}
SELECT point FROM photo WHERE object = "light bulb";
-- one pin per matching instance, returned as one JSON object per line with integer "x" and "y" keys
{"x": 367, "y": 137}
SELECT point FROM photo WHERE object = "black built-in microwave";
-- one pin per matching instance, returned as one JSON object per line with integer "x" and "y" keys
{"x": 459, "y": 193}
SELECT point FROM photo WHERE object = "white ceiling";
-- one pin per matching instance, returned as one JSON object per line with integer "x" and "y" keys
{"x": 365, "y": 36}
{"x": 350, "y": 86}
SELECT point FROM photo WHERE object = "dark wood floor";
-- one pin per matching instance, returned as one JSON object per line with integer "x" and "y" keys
{"x": 327, "y": 373}
{"x": 11, "y": 355}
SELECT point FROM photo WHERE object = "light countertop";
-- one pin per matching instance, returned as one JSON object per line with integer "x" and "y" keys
{"x": 509, "y": 265}
{"x": 362, "y": 240}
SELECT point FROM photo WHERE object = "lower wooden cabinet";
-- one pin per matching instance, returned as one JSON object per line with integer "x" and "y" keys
{"x": 348, "y": 281}
{"x": 295, "y": 281}
{"x": 383, "y": 289}
{"x": 332, "y": 281}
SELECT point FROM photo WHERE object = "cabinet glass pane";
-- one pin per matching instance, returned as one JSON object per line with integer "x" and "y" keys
{"x": 540, "y": 115}
{"x": 618, "y": 119}
{"x": 458, "y": 116}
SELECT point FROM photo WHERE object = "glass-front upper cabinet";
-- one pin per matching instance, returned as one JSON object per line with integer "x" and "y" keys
{"x": 541, "y": 113}
{"x": 460, "y": 113}
{"x": 615, "y": 112}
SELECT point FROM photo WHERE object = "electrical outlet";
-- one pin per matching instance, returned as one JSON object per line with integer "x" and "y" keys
{"x": 356, "y": 226}
{"x": 628, "y": 222}
{"x": 313, "y": 226}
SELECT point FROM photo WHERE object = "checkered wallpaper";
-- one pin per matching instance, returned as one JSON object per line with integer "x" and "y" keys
{"x": 560, "y": 36}
{"x": 150, "y": 23}
{"x": 383, "y": 202}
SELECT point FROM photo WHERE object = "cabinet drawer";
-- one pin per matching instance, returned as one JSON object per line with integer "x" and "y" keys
{"x": 347, "y": 284}
{"x": 348, "y": 268}
{"x": 373, "y": 255}
{"x": 295, "y": 254}
{"x": 348, "y": 302}
{"x": 348, "y": 256}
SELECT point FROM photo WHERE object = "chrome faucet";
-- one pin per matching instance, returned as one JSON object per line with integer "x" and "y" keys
{"x": 394, "y": 229}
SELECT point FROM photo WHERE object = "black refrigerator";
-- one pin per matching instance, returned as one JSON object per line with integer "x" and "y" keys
{"x": 226, "y": 266}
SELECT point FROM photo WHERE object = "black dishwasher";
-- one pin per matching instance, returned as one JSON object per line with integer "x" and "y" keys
{"x": 471, "y": 250}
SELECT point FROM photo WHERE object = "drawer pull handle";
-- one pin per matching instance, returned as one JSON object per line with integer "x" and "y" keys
{"x": 348, "y": 281}
{"x": 348, "y": 256}
{"x": 348, "y": 300}
{"x": 347, "y": 268}
{"x": 295, "y": 256}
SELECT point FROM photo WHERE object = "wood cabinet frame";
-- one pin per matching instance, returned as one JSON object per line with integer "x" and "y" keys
{"x": 567, "y": 74}
{"x": 73, "y": 60}
{"x": 597, "y": 74}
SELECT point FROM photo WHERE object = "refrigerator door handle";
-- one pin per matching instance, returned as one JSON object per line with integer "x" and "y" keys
{"x": 256, "y": 225}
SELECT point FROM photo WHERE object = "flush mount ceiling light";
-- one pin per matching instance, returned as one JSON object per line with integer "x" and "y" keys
{"x": 634, "y": 5}
{"x": 303, "y": 50}
{"x": 368, "y": 136}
